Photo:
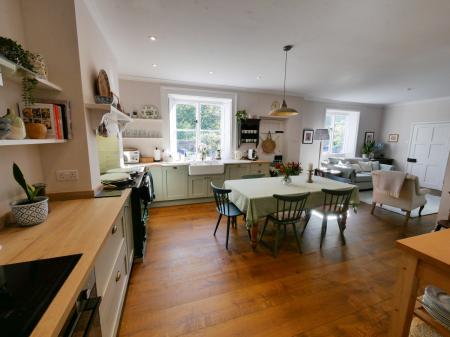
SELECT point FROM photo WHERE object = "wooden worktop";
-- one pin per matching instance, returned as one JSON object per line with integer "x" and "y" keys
{"x": 432, "y": 247}
{"x": 72, "y": 227}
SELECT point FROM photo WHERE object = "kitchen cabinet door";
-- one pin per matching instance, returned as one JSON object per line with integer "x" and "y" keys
{"x": 217, "y": 180}
{"x": 236, "y": 171}
{"x": 258, "y": 168}
{"x": 198, "y": 187}
{"x": 158, "y": 184}
{"x": 175, "y": 182}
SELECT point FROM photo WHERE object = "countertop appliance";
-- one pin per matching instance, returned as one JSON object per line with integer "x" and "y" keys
{"x": 27, "y": 289}
{"x": 251, "y": 154}
{"x": 131, "y": 156}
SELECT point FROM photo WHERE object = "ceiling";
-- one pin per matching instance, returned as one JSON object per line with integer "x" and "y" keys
{"x": 369, "y": 51}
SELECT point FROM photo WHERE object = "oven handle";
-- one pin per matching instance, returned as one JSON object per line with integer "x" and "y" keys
{"x": 89, "y": 307}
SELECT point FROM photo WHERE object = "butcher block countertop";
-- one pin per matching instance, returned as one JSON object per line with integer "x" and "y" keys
{"x": 73, "y": 227}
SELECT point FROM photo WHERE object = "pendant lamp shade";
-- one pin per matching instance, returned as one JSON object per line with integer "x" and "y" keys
{"x": 284, "y": 110}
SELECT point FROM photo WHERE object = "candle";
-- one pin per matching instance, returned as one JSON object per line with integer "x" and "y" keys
{"x": 310, "y": 166}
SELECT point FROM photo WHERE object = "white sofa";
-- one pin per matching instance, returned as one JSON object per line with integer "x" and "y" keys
{"x": 357, "y": 170}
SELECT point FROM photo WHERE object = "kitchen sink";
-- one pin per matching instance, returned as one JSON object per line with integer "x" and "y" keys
{"x": 199, "y": 168}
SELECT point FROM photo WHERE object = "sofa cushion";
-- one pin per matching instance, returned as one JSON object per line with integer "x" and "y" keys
{"x": 375, "y": 165}
{"x": 365, "y": 166}
{"x": 356, "y": 167}
{"x": 386, "y": 167}
{"x": 363, "y": 177}
{"x": 333, "y": 160}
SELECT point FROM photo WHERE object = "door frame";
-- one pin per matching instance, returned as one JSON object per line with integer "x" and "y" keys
{"x": 411, "y": 134}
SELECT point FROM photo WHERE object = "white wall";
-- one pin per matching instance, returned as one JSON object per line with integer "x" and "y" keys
{"x": 134, "y": 94}
{"x": 313, "y": 117}
{"x": 399, "y": 119}
{"x": 27, "y": 157}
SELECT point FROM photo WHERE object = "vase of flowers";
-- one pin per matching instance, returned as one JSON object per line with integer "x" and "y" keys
{"x": 286, "y": 170}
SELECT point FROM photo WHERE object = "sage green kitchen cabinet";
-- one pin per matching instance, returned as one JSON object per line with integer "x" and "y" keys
{"x": 258, "y": 168}
{"x": 236, "y": 171}
{"x": 217, "y": 180}
{"x": 175, "y": 182}
{"x": 158, "y": 185}
{"x": 198, "y": 187}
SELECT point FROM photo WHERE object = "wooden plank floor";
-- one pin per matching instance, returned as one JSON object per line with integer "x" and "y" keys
{"x": 189, "y": 285}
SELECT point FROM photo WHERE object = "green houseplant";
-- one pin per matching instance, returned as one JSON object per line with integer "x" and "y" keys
{"x": 34, "y": 209}
{"x": 368, "y": 149}
{"x": 241, "y": 115}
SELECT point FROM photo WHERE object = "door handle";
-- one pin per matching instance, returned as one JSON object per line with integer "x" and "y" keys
{"x": 411, "y": 160}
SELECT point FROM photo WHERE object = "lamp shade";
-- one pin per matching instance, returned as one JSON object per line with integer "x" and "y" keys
{"x": 321, "y": 134}
{"x": 284, "y": 111}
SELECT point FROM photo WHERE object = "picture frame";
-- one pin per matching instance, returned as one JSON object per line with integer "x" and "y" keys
{"x": 369, "y": 136}
{"x": 393, "y": 138}
{"x": 308, "y": 135}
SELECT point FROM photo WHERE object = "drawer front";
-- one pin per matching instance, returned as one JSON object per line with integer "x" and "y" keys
{"x": 112, "y": 300}
{"x": 258, "y": 168}
{"x": 107, "y": 256}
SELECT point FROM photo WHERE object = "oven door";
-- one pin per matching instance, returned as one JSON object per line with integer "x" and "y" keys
{"x": 85, "y": 319}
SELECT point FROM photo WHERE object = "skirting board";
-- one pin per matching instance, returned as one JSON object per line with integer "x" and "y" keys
{"x": 181, "y": 202}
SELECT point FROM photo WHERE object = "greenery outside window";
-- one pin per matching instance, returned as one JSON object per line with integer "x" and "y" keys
{"x": 198, "y": 122}
{"x": 343, "y": 126}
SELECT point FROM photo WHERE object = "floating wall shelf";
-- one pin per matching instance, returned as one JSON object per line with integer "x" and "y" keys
{"x": 14, "y": 72}
{"x": 108, "y": 108}
{"x": 8, "y": 142}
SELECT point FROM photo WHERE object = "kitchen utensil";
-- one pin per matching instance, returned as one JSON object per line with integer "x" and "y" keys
{"x": 103, "y": 87}
{"x": 268, "y": 145}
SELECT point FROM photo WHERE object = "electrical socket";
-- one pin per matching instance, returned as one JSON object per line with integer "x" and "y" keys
{"x": 67, "y": 175}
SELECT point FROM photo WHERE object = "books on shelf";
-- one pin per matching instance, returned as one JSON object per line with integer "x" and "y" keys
{"x": 54, "y": 114}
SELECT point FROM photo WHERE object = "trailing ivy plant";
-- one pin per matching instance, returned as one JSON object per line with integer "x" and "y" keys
{"x": 14, "y": 52}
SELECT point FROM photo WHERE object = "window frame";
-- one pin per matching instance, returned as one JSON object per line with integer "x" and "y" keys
{"x": 226, "y": 122}
{"x": 350, "y": 138}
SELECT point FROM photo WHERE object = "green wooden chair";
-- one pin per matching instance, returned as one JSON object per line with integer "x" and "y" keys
{"x": 225, "y": 207}
{"x": 289, "y": 212}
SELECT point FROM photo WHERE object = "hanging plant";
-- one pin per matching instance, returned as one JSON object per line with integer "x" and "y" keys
{"x": 28, "y": 85}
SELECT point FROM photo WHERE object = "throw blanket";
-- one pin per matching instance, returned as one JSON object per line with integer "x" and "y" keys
{"x": 389, "y": 182}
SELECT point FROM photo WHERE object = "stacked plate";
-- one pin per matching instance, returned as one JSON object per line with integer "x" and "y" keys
{"x": 437, "y": 304}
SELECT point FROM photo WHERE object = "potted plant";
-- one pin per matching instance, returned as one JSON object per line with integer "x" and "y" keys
{"x": 241, "y": 115}
{"x": 34, "y": 209}
{"x": 367, "y": 149}
{"x": 287, "y": 170}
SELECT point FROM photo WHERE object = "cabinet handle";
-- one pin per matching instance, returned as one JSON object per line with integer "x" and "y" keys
{"x": 118, "y": 276}
{"x": 114, "y": 229}
{"x": 175, "y": 167}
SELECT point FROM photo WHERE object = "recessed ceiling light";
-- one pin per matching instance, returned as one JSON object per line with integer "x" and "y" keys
{"x": 154, "y": 65}
{"x": 153, "y": 38}
{"x": 211, "y": 72}
{"x": 409, "y": 89}
{"x": 258, "y": 77}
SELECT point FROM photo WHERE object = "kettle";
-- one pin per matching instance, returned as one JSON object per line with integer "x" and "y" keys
{"x": 251, "y": 154}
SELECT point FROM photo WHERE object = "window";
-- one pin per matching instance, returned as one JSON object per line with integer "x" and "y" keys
{"x": 343, "y": 126}
{"x": 199, "y": 121}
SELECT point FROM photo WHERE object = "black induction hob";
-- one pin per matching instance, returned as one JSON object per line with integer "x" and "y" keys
{"x": 27, "y": 289}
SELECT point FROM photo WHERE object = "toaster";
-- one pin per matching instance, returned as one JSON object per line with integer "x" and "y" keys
{"x": 131, "y": 156}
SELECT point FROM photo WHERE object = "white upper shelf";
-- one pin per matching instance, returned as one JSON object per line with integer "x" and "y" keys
{"x": 15, "y": 73}
{"x": 108, "y": 108}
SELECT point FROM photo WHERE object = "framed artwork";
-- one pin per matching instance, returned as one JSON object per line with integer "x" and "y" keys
{"x": 369, "y": 137}
{"x": 393, "y": 138}
{"x": 308, "y": 136}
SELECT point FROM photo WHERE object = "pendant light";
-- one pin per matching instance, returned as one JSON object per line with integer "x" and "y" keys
{"x": 284, "y": 111}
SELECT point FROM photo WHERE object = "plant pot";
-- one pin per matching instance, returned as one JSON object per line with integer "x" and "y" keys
{"x": 36, "y": 130}
{"x": 29, "y": 214}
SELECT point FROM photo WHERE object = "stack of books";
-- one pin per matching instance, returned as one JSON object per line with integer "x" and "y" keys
{"x": 54, "y": 115}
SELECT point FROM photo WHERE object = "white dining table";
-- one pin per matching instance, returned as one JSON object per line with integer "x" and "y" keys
{"x": 254, "y": 197}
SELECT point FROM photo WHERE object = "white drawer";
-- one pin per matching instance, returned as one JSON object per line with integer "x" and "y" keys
{"x": 112, "y": 300}
{"x": 108, "y": 254}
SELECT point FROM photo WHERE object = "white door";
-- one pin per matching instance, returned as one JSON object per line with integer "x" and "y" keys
{"x": 428, "y": 153}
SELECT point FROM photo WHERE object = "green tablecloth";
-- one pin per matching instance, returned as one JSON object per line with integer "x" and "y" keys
{"x": 255, "y": 196}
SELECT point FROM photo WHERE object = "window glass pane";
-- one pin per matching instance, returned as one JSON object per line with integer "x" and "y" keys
{"x": 186, "y": 142}
{"x": 210, "y": 117}
{"x": 339, "y": 133}
{"x": 211, "y": 139}
{"x": 185, "y": 116}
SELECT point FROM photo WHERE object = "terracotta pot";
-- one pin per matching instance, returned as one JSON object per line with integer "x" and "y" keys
{"x": 36, "y": 130}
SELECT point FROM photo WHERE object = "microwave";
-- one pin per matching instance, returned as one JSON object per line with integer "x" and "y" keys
{"x": 131, "y": 156}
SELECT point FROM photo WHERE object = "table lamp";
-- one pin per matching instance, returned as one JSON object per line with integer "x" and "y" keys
{"x": 321, "y": 134}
